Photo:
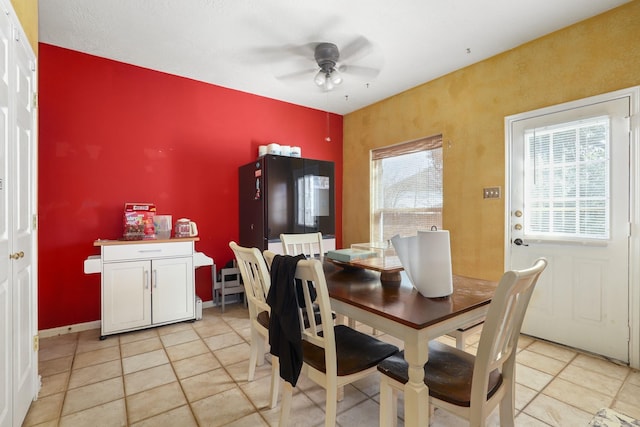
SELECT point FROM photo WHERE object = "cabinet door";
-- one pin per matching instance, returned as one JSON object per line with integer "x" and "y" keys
{"x": 173, "y": 290}
{"x": 126, "y": 296}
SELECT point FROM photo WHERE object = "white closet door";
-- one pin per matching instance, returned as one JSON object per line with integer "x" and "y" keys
{"x": 25, "y": 358}
{"x": 18, "y": 248}
{"x": 6, "y": 312}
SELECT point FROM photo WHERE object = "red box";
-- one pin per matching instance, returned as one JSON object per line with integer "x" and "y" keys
{"x": 138, "y": 221}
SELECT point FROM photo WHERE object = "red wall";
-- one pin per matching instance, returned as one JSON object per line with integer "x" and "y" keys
{"x": 111, "y": 133}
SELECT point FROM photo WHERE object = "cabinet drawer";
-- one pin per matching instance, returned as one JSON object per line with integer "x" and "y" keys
{"x": 146, "y": 251}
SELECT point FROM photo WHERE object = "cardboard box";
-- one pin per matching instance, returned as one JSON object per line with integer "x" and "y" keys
{"x": 138, "y": 221}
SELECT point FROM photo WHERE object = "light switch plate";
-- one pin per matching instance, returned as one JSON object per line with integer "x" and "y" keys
{"x": 491, "y": 193}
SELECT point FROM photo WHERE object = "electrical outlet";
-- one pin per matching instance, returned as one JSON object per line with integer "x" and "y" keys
{"x": 491, "y": 193}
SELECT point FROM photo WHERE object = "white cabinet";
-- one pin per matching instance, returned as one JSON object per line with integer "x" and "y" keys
{"x": 146, "y": 284}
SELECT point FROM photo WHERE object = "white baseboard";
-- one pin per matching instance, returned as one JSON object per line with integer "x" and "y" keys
{"x": 46, "y": 333}
{"x": 79, "y": 327}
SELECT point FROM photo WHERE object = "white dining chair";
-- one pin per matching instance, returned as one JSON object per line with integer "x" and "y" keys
{"x": 257, "y": 281}
{"x": 466, "y": 385}
{"x": 332, "y": 357}
{"x": 309, "y": 244}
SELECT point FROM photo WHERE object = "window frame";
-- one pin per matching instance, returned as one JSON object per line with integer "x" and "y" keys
{"x": 403, "y": 148}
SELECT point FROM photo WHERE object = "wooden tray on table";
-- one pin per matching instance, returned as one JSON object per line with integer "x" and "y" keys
{"x": 389, "y": 267}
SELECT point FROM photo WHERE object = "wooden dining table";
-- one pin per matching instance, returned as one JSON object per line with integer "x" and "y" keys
{"x": 397, "y": 309}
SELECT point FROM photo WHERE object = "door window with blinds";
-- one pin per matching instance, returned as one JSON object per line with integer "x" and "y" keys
{"x": 566, "y": 180}
{"x": 406, "y": 188}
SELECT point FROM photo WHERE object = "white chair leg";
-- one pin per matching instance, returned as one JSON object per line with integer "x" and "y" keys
{"x": 507, "y": 412}
{"x": 262, "y": 350}
{"x": 275, "y": 380}
{"x": 460, "y": 342}
{"x": 285, "y": 409}
{"x": 331, "y": 405}
{"x": 256, "y": 343}
{"x": 388, "y": 404}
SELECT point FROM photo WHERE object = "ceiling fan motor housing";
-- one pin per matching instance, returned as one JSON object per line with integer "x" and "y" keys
{"x": 327, "y": 55}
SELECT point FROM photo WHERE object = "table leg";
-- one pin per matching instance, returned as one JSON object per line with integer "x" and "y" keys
{"x": 416, "y": 393}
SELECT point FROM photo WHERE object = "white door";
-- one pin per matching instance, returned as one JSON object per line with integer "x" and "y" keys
{"x": 569, "y": 202}
{"x": 18, "y": 258}
{"x": 6, "y": 312}
{"x": 173, "y": 295}
{"x": 25, "y": 328}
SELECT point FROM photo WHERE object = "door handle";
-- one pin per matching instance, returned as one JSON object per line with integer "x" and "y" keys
{"x": 519, "y": 242}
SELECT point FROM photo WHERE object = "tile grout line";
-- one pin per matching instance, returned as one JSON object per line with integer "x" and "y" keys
{"x": 257, "y": 410}
{"x": 66, "y": 390}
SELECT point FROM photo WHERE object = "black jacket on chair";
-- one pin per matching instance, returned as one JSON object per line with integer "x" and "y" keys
{"x": 285, "y": 337}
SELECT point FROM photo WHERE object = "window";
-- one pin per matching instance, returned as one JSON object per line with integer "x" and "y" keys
{"x": 567, "y": 180}
{"x": 406, "y": 188}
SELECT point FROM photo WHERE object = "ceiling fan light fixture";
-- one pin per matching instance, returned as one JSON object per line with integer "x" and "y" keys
{"x": 320, "y": 78}
{"x": 328, "y": 84}
{"x": 336, "y": 77}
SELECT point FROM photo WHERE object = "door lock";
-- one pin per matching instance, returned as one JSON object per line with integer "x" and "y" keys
{"x": 519, "y": 242}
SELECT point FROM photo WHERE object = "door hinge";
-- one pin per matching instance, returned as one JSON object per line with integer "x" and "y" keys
{"x": 36, "y": 343}
{"x": 35, "y": 100}
{"x": 35, "y": 222}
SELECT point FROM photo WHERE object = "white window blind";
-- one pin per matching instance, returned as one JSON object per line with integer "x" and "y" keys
{"x": 406, "y": 187}
{"x": 567, "y": 180}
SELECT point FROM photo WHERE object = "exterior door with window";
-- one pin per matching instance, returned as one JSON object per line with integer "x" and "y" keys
{"x": 569, "y": 202}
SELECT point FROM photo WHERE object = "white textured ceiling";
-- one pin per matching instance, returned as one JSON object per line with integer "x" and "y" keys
{"x": 262, "y": 46}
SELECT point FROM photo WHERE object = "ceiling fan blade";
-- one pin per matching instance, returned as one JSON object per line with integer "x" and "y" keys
{"x": 355, "y": 49}
{"x": 296, "y": 75}
{"x": 281, "y": 53}
{"x": 361, "y": 71}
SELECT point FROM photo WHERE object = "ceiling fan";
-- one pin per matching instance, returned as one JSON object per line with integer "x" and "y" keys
{"x": 333, "y": 64}
{"x": 327, "y": 55}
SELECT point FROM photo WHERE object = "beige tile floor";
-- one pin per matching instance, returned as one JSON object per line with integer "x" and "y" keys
{"x": 194, "y": 374}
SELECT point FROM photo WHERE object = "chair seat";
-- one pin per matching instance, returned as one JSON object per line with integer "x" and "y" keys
{"x": 355, "y": 351}
{"x": 263, "y": 319}
{"x": 448, "y": 373}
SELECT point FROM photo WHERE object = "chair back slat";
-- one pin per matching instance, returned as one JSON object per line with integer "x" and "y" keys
{"x": 311, "y": 275}
{"x": 309, "y": 244}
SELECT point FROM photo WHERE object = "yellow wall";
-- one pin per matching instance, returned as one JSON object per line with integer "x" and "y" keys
{"x": 468, "y": 107}
{"x": 27, "y": 11}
